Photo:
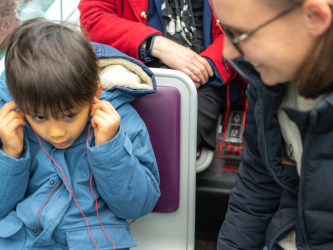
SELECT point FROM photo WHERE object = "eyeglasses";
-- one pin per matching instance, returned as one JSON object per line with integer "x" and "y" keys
{"x": 236, "y": 40}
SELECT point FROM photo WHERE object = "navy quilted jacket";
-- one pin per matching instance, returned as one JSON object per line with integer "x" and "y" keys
{"x": 270, "y": 198}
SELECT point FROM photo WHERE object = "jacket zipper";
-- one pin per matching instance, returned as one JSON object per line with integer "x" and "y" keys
{"x": 301, "y": 188}
{"x": 265, "y": 153}
{"x": 44, "y": 203}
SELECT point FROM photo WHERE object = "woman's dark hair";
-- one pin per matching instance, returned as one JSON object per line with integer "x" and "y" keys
{"x": 316, "y": 74}
{"x": 50, "y": 68}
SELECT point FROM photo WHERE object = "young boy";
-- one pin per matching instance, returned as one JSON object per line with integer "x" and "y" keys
{"x": 75, "y": 160}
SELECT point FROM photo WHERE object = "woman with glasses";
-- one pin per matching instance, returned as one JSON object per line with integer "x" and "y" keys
{"x": 283, "y": 198}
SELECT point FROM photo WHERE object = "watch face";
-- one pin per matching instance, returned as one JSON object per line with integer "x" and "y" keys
{"x": 149, "y": 46}
{"x": 149, "y": 43}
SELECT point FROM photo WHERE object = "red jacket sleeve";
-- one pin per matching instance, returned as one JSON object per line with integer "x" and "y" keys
{"x": 116, "y": 23}
{"x": 214, "y": 53}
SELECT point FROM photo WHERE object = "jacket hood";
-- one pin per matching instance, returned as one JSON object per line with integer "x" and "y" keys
{"x": 4, "y": 94}
{"x": 121, "y": 72}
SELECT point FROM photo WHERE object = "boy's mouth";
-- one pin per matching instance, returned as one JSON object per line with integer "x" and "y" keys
{"x": 60, "y": 144}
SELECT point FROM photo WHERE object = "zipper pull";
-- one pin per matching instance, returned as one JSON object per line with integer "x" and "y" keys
{"x": 225, "y": 63}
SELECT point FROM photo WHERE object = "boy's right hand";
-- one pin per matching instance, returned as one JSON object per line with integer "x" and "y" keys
{"x": 11, "y": 130}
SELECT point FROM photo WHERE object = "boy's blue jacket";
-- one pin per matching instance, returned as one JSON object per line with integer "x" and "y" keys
{"x": 37, "y": 210}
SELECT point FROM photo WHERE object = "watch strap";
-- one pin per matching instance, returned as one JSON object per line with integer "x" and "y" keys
{"x": 149, "y": 46}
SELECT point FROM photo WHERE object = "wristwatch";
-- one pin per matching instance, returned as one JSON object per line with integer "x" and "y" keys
{"x": 147, "y": 47}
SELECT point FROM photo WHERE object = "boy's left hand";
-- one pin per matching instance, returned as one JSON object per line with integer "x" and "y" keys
{"x": 105, "y": 121}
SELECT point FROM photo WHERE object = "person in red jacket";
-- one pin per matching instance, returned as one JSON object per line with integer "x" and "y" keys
{"x": 181, "y": 35}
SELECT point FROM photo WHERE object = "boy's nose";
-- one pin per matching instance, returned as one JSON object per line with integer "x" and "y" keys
{"x": 56, "y": 131}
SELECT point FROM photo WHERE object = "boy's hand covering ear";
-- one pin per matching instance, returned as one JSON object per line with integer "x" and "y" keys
{"x": 11, "y": 130}
{"x": 105, "y": 121}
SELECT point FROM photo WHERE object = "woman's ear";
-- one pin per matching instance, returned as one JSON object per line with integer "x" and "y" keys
{"x": 99, "y": 90}
{"x": 318, "y": 16}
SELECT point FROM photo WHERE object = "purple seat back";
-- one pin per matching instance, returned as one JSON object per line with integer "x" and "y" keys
{"x": 161, "y": 113}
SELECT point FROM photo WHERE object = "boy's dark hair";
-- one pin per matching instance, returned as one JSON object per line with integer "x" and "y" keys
{"x": 50, "y": 68}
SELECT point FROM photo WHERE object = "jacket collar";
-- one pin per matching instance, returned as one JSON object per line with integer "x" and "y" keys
{"x": 271, "y": 96}
{"x": 138, "y": 7}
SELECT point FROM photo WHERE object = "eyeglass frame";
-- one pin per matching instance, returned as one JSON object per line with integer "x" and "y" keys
{"x": 246, "y": 35}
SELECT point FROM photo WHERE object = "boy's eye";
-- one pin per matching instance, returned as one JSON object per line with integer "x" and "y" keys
{"x": 38, "y": 117}
{"x": 69, "y": 116}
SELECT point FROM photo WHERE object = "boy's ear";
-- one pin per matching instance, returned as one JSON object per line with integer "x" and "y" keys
{"x": 99, "y": 90}
{"x": 318, "y": 16}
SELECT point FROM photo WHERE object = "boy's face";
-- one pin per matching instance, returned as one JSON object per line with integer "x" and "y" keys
{"x": 63, "y": 132}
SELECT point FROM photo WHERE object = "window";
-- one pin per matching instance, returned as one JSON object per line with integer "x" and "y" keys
{"x": 12, "y": 12}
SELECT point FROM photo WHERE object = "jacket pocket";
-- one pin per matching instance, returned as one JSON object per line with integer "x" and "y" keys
{"x": 12, "y": 233}
{"x": 80, "y": 238}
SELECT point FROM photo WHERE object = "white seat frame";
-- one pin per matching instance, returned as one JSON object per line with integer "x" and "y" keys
{"x": 176, "y": 230}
